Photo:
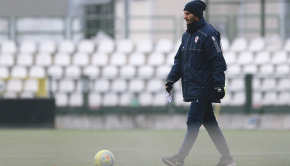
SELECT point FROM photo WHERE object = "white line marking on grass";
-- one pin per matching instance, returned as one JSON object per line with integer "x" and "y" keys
{"x": 261, "y": 153}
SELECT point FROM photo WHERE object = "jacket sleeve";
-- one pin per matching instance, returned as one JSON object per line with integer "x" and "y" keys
{"x": 214, "y": 54}
{"x": 175, "y": 73}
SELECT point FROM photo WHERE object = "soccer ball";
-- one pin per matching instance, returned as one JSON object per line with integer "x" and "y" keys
{"x": 104, "y": 158}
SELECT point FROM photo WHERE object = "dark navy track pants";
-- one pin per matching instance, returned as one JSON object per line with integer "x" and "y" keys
{"x": 201, "y": 113}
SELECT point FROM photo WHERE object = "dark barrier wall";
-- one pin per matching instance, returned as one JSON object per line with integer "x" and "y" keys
{"x": 27, "y": 113}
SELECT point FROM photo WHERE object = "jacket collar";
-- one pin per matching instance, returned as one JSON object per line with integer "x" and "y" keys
{"x": 194, "y": 27}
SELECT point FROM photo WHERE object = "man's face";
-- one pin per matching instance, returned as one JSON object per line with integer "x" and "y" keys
{"x": 189, "y": 17}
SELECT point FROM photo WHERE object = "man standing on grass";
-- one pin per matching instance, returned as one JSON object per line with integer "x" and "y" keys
{"x": 201, "y": 65}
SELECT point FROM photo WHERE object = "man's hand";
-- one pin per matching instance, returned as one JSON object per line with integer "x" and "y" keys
{"x": 168, "y": 86}
{"x": 220, "y": 92}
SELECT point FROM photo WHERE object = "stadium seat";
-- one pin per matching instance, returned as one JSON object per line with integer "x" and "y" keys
{"x": 283, "y": 84}
{"x": 102, "y": 85}
{"x": 28, "y": 47}
{"x": 91, "y": 71}
{"x": 55, "y": 71}
{"x": 156, "y": 59}
{"x": 109, "y": 72}
{"x": 267, "y": 69}
{"x": 170, "y": 58}
{"x": 230, "y": 57}
{"x": 283, "y": 99}
{"x": 287, "y": 45}
{"x": 137, "y": 59}
{"x": 125, "y": 46}
{"x": 262, "y": 58}
{"x": 257, "y": 99}
{"x": 27, "y": 95}
{"x": 61, "y": 99}
{"x": 62, "y": 59}
{"x": 52, "y": 85}
{"x": 155, "y": 85}
{"x": 238, "y": 99}
{"x": 6, "y": 60}
{"x": 80, "y": 59}
{"x": 14, "y": 85}
{"x": 4, "y": 72}
{"x": 86, "y": 47}
{"x": 144, "y": 46}
{"x": 250, "y": 69}
{"x": 136, "y": 85}
{"x": 125, "y": 99}
{"x": 234, "y": 69}
{"x": 66, "y": 47}
{"x": 76, "y": 100}
{"x": 268, "y": 84}
{"x": 225, "y": 44}
{"x": 273, "y": 44}
{"x": 163, "y": 46}
{"x": 269, "y": 98}
{"x": 283, "y": 69}
{"x": 145, "y": 99}
{"x": 176, "y": 45}
{"x": 79, "y": 86}
{"x": 30, "y": 85}
{"x": 106, "y": 46}
{"x": 127, "y": 72}
{"x": 245, "y": 58}
{"x": 66, "y": 85}
{"x": 24, "y": 59}
{"x": 119, "y": 85}
{"x": 177, "y": 86}
{"x": 72, "y": 72}
{"x": 145, "y": 71}
{"x": 162, "y": 71}
{"x": 9, "y": 95}
{"x": 227, "y": 99}
{"x": 239, "y": 45}
{"x": 279, "y": 57}
{"x": 37, "y": 72}
{"x": 47, "y": 47}
{"x": 256, "y": 44}
{"x": 8, "y": 47}
{"x": 236, "y": 84}
{"x": 118, "y": 59}
{"x": 178, "y": 99}
{"x": 256, "y": 84}
{"x": 99, "y": 59}
{"x": 43, "y": 59}
{"x": 110, "y": 100}
{"x": 18, "y": 72}
{"x": 159, "y": 100}
{"x": 95, "y": 100}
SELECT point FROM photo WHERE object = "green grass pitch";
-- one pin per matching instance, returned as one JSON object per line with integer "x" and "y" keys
{"x": 138, "y": 147}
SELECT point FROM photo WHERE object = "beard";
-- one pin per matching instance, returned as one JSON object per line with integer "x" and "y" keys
{"x": 191, "y": 21}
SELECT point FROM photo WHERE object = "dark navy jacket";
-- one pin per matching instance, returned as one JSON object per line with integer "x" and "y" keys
{"x": 200, "y": 63}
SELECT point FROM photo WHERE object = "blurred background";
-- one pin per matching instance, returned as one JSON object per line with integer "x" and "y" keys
{"x": 102, "y": 64}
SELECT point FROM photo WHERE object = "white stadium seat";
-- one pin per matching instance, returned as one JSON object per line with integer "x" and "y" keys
{"x": 95, "y": 100}
{"x": 9, "y": 95}
{"x": 47, "y": 47}
{"x": 268, "y": 84}
{"x": 80, "y": 59}
{"x": 127, "y": 72}
{"x": 66, "y": 46}
{"x": 18, "y": 72}
{"x": 145, "y": 71}
{"x": 237, "y": 84}
{"x": 109, "y": 72}
{"x": 118, "y": 59}
{"x": 66, "y": 85}
{"x": 24, "y": 59}
{"x": 245, "y": 58}
{"x": 239, "y": 45}
{"x": 79, "y": 86}
{"x": 137, "y": 59}
{"x": 61, "y": 99}
{"x": 178, "y": 99}
{"x": 156, "y": 59}
{"x": 250, "y": 69}
{"x": 176, "y": 45}
{"x": 62, "y": 59}
{"x": 155, "y": 85}
{"x": 14, "y": 85}
{"x": 119, "y": 86}
{"x": 145, "y": 99}
{"x": 86, "y": 46}
{"x": 91, "y": 71}
{"x": 262, "y": 58}
{"x": 8, "y": 47}
{"x": 267, "y": 69}
{"x": 287, "y": 45}
{"x": 273, "y": 44}
{"x": 230, "y": 57}
{"x": 163, "y": 46}
{"x": 234, "y": 69}
{"x": 256, "y": 84}
{"x": 76, "y": 100}
{"x": 225, "y": 44}
{"x": 283, "y": 84}
{"x": 99, "y": 59}
{"x": 159, "y": 99}
{"x": 283, "y": 69}
{"x": 30, "y": 85}
{"x": 170, "y": 58}
{"x": 6, "y": 60}
{"x": 125, "y": 46}
{"x": 162, "y": 71}
{"x": 227, "y": 99}
{"x": 144, "y": 46}
{"x": 106, "y": 46}
{"x": 102, "y": 85}
{"x": 257, "y": 99}
{"x": 27, "y": 95}
{"x": 125, "y": 99}
{"x": 55, "y": 71}
{"x": 43, "y": 59}
{"x": 283, "y": 99}
{"x": 4, "y": 72}
{"x": 269, "y": 98}
{"x": 110, "y": 100}
{"x": 27, "y": 47}
{"x": 256, "y": 44}
{"x": 136, "y": 85}
{"x": 238, "y": 99}
{"x": 279, "y": 57}
{"x": 37, "y": 72}
{"x": 72, "y": 71}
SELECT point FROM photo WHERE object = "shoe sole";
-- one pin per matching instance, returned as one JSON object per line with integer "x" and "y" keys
{"x": 165, "y": 161}
{"x": 233, "y": 164}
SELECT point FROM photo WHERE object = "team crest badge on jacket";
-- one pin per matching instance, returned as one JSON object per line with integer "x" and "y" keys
{"x": 196, "y": 39}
